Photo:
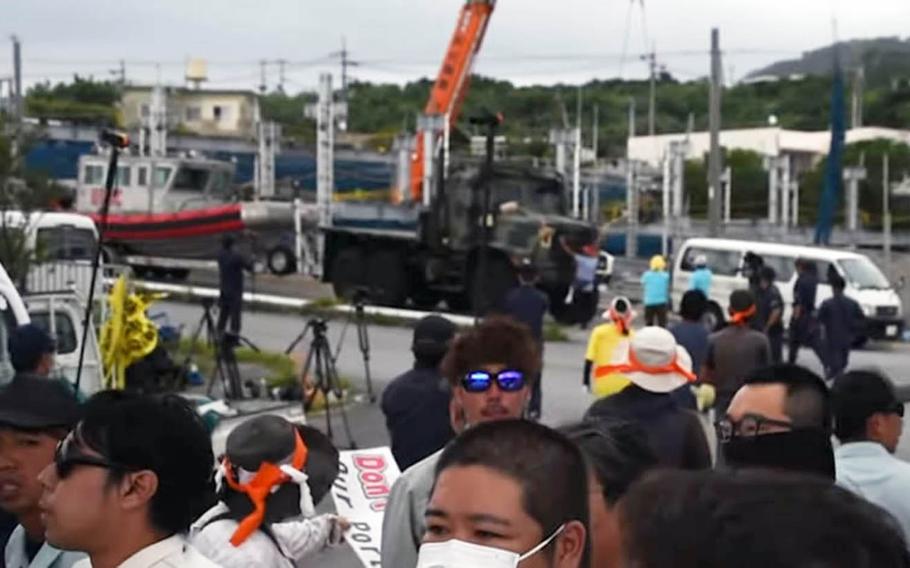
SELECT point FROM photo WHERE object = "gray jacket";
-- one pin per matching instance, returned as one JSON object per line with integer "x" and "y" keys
{"x": 47, "y": 557}
{"x": 403, "y": 523}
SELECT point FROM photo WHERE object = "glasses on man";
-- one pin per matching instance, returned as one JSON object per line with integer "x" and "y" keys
{"x": 749, "y": 426}
{"x": 67, "y": 457}
{"x": 508, "y": 380}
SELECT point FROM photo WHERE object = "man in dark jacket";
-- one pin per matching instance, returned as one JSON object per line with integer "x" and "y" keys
{"x": 416, "y": 404}
{"x": 842, "y": 319}
{"x": 804, "y": 328}
{"x": 656, "y": 367}
{"x": 768, "y": 318}
{"x": 528, "y": 305}
{"x": 231, "y": 265}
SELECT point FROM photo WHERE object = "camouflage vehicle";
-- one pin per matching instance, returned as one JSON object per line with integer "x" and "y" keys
{"x": 424, "y": 254}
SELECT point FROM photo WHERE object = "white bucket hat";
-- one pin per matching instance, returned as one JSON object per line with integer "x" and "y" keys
{"x": 655, "y": 362}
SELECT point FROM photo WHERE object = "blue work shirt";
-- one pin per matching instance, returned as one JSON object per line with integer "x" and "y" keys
{"x": 656, "y": 286}
{"x": 585, "y": 272}
{"x": 701, "y": 280}
{"x": 867, "y": 469}
{"x": 804, "y": 291}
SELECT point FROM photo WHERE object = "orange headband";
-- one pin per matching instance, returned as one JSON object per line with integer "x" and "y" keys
{"x": 636, "y": 366}
{"x": 260, "y": 487}
{"x": 741, "y": 318}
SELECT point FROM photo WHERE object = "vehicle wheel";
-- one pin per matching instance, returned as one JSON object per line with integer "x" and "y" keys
{"x": 713, "y": 319}
{"x": 388, "y": 279}
{"x": 348, "y": 272}
{"x": 281, "y": 260}
{"x": 497, "y": 280}
{"x": 425, "y": 299}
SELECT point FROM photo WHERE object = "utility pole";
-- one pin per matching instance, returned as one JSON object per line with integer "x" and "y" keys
{"x": 886, "y": 208}
{"x": 631, "y": 191}
{"x": 595, "y": 133}
{"x": 122, "y": 72}
{"x": 714, "y": 165}
{"x": 666, "y": 188}
{"x": 262, "y": 83}
{"x": 344, "y": 57}
{"x": 576, "y": 162}
{"x": 785, "y": 191}
{"x": 853, "y": 175}
{"x": 281, "y": 76}
{"x": 859, "y": 85}
{"x": 773, "y": 188}
{"x": 325, "y": 144}
{"x": 652, "y": 96}
{"x": 17, "y": 106}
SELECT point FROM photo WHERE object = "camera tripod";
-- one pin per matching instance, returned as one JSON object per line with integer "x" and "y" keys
{"x": 226, "y": 371}
{"x": 358, "y": 317}
{"x": 319, "y": 359}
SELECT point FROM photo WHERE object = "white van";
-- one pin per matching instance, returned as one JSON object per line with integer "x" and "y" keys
{"x": 865, "y": 282}
{"x": 12, "y": 314}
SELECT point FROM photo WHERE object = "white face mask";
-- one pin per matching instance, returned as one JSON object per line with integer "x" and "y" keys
{"x": 460, "y": 554}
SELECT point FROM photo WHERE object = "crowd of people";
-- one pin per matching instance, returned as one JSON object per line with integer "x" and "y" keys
{"x": 130, "y": 480}
{"x": 634, "y": 483}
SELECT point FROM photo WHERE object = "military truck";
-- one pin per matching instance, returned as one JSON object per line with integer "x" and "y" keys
{"x": 428, "y": 253}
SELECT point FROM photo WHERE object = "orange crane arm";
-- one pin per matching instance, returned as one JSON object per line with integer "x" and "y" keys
{"x": 451, "y": 85}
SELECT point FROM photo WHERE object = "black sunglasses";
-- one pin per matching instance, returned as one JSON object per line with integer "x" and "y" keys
{"x": 897, "y": 408}
{"x": 508, "y": 380}
{"x": 67, "y": 457}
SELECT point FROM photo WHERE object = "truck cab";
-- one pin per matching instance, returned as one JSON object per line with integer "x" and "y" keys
{"x": 428, "y": 253}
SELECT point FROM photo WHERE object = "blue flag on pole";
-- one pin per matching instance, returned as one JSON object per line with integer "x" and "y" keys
{"x": 834, "y": 171}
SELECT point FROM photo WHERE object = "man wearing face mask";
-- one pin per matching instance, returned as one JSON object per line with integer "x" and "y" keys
{"x": 508, "y": 493}
{"x": 491, "y": 369}
{"x": 779, "y": 419}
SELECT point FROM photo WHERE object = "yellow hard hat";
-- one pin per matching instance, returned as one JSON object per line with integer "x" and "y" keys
{"x": 658, "y": 262}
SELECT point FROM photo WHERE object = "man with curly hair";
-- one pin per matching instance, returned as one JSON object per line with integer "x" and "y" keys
{"x": 491, "y": 369}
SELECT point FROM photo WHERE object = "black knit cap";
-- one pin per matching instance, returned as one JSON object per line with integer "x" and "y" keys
{"x": 741, "y": 300}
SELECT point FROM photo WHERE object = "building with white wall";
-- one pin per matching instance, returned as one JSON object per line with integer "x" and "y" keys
{"x": 804, "y": 148}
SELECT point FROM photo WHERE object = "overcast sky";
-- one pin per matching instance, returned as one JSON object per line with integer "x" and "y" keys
{"x": 529, "y": 41}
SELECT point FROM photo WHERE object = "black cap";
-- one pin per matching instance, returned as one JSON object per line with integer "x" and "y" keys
{"x": 27, "y": 344}
{"x": 33, "y": 403}
{"x": 266, "y": 438}
{"x": 432, "y": 336}
{"x": 741, "y": 300}
{"x": 857, "y": 395}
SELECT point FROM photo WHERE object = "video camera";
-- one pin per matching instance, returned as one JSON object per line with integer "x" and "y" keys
{"x": 319, "y": 325}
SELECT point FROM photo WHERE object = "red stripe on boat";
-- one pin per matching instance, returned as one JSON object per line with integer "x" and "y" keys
{"x": 197, "y": 231}
{"x": 140, "y": 218}
{"x": 193, "y": 223}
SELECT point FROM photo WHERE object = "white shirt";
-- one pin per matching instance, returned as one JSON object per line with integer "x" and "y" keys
{"x": 47, "y": 557}
{"x": 298, "y": 538}
{"x": 173, "y": 552}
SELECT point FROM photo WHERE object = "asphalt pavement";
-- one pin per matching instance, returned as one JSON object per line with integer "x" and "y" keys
{"x": 564, "y": 400}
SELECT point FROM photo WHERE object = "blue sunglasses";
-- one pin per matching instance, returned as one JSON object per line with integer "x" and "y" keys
{"x": 508, "y": 380}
